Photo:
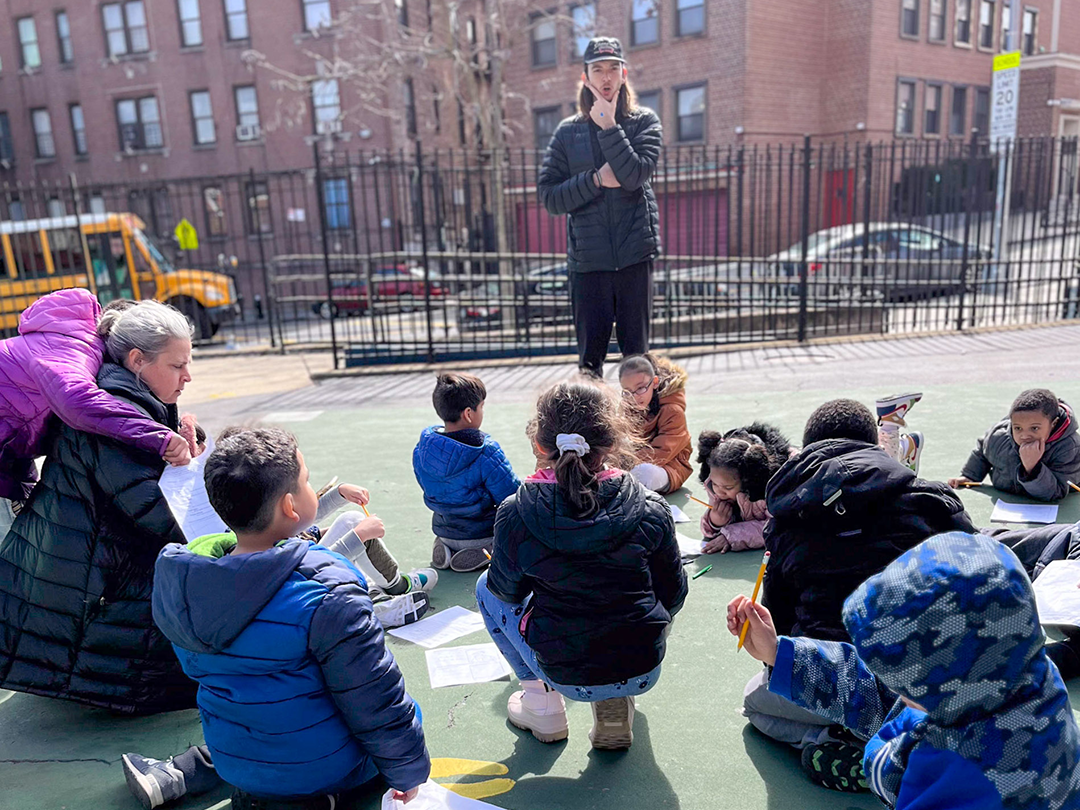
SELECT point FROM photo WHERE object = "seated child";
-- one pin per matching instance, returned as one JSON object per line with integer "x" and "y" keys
{"x": 655, "y": 390}
{"x": 735, "y": 469}
{"x": 892, "y": 415}
{"x": 1034, "y": 451}
{"x": 299, "y": 697}
{"x": 945, "y": 678}
{"x": 464, "y": 475}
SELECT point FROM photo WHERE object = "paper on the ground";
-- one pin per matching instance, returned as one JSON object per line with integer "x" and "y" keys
{"x": 433, "y": 796}
{"x": 475, "y": 663}
{"x": 689, "y": 546}
{"x": 441, "y": 628}
{"x": 679, "y": 515}
{"x": 1056, "y": 594}
{"x": 185, "y": 492}
{"x": 1005, "y": 512}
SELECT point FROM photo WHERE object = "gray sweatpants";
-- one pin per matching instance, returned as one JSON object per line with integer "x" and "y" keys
{"x": 778, "y": 717}
{"x": 372, "y": 557}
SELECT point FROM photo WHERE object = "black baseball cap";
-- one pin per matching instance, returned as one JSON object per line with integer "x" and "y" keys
{"x": 602, "y": 49}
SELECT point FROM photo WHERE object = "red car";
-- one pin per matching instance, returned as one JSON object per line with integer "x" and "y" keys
{"x": 400, "y": 287}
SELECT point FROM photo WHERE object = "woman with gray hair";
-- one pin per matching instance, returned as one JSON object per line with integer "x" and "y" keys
{"x": 76, "y": 568}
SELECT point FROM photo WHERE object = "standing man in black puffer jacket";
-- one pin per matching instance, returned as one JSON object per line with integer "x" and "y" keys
{"x": 596, "y": 171}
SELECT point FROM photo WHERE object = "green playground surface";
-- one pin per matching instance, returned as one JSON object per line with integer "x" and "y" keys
{"x": 692, "y": 748}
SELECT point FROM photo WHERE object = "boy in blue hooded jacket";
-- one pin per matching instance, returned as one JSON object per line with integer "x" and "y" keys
{"x": 947, "y": 679}
{"x": 299, "y": 698}
{"x": 464, "y": 475}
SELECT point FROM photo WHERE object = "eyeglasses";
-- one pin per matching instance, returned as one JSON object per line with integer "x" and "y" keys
{"x": 637, "y": 392}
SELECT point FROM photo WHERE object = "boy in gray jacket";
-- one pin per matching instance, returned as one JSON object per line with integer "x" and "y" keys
{"x": 1034, "y": 451}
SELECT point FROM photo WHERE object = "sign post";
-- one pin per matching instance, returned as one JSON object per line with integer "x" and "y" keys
{"x": 1006, "y": 97}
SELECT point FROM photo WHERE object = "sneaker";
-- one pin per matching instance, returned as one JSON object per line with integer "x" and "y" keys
{"x": 539, "y": 709}
{"x": 421, "y": 579}
{"x": 911, "y": 445}
{"x": 405, "y": 608}
{"x": 836, "y": 766}
{"x": 469, "y": 559}
{"x": 153, "y": 781}
{"x": 895, "y": 408}
{"x": 440, "y": 555}
{"x": 613, "y": 724}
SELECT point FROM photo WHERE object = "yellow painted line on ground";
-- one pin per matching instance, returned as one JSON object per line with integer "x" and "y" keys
{"x": 449, "y": 766}
{"x": 482, "y": 790}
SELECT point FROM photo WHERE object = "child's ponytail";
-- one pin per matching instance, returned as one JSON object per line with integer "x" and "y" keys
{"x": 706, "y": 443}
{"x": 576, "y": 481}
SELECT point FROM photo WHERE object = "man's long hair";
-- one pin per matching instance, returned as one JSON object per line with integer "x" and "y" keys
{"x": 625, "y": 106}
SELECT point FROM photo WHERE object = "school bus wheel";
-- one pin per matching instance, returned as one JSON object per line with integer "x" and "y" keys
{"x": 205, "y": 329}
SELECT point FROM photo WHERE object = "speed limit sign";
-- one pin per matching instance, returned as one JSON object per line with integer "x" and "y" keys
{"x": 1006, "y": 95}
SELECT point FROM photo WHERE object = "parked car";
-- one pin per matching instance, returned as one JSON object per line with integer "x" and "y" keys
{"x": 542, "y": 297}
{"x": 400, "y": 288}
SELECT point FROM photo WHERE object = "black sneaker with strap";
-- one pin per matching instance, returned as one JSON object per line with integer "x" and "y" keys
{"x": 836, "y": 766}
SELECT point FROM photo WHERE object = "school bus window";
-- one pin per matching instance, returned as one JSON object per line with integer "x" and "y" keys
{"x": 29, "y": 257}
{"x": 66, "y": 249}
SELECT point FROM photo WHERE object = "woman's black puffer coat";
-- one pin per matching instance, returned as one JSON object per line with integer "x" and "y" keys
{"x": 77, "y": 567}
{"x": 604, "y": 587}
{"x": 607, "y": 228}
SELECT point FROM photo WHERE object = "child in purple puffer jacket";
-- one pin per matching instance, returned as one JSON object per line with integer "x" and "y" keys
{"x": 50, "y": 368}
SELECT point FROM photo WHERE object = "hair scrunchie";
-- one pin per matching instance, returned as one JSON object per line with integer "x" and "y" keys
{"x": 571, "y": 443}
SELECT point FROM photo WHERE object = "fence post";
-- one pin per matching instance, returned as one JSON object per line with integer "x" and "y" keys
{"x": 970, "y": 181}
{"x": 424, "y": 250}
{"x": 271, "y": 306}
{"x": 804, "y": 278}
{"x": 319, "y": 195}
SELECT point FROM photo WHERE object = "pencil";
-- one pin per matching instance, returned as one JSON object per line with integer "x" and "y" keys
{"x": 486, "y": 554}
{"x": 704, "y": 570}
{"x": 753, "y": 599}
{"x": 366, "y": 512}
{"x": 328, "y": 487}
{"x": 1074, "y": 486}
{"x": 971, "y": 483}
{"x": 698, "y": 500}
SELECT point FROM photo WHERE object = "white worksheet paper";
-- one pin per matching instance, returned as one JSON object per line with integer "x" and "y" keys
{"x": 689, "y": 546}
{"x": 1056, "y": 594}
{"x": 679, "y": 515}
{"x": 185, "y": 492}
{"x": 475, "y": 663}
{"x": 433, "y": 796}
{"x": 1005, "y": 512}
{"x": 440, "y": 628}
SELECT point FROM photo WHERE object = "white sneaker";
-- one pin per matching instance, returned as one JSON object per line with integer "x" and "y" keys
{"x": 422, "y": 579}
{"x": 405, "y": 608}
{"x": 539, "y": 709}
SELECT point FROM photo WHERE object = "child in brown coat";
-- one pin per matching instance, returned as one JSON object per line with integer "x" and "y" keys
{"x": 655, "y": 389}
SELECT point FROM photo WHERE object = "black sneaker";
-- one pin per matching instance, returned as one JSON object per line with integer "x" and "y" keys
{"x": 469, "y": 559}
{"x": 836, "y": 766}
{"x": 440, "y": 555}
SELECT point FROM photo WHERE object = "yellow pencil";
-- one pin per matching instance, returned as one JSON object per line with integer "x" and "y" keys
{"x": 366, "y": 512}
{"x": 1074, "y": 486}
{"x": 698, "y": 500}
{"x": 753, "y": 599}
{"x": 486, "y": 554}
{"x": 971, "y": 483}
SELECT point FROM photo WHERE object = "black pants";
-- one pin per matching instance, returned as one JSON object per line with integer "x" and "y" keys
{"x": 598, "y": 299}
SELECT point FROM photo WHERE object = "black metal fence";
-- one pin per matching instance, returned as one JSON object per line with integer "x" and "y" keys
{"x": 435, "y": 255}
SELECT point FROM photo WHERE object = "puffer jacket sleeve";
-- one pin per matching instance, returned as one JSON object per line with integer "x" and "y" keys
{"x": 367, "y": 687}
{"x": 560, "y": 192}
{"x": 665, "y": 560}
{"x": 1050, "y": 478}
{"x": 977, "y": 465}
{"x": 633, "y": 161}
{"x": 672, "y": 436}
{"x": 745, "y": 535}
{"x": 73, "y": 395}
{"x": 133, "y": 486}
{"x": 506, "y": 580}
{"x": 500, "y": 480}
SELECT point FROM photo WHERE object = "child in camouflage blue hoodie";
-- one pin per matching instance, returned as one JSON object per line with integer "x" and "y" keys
{"x": 947, "y": 680}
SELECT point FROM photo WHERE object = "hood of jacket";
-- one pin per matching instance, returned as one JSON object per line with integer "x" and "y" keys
{"x": 72, "y": 312}
{"x": 834, "y": 474}
{"x": 673, "y": 377}
{"x": 120, "y": 382}
{"x": 1066, "y": 423}
{"x": 189, "y": 581}
{"x": 443, "y": 456}
{"x": 620, "y": 506}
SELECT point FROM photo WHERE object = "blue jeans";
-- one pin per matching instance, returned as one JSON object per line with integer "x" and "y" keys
{"x": 502, "y": 621}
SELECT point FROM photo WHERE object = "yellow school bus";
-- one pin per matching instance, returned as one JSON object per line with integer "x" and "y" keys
{"x": 113, "y": 257}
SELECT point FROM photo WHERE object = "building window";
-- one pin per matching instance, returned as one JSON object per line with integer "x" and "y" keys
{"x": 689, "y": 17}
{"x": 932, "y": 110}
{"x": 43, "y": 134}
{"x": 936, "y": 32}
{"x": 140, "y": 123}
{"x": 909, "y": 18}
{"x": 402, "y": 13}
{"x": 259, "y": 218}
{"x": 963, "y": 22}
{"x": 190, "y": 23}
{"x": 97, "y": 204}
{"x": 986, "y": 24}
{"x": 584, "y": 17}
{"x": 410, "y": 109}
{"x": 236, "y": 20}
{"x": 1031, "y": 17}
{"x": 7, "y": 147}
{"x": 202, "y": 117}
{"x": 63, "y": 33}
{"x": 326, "y": 100}
{"x": 214, "y": 203}
{"x": 1006, "y": 28}
{"x": 336, "y": 203}
{"x": 316, "y": 14}
{"x": 905, "y": 107}
{"x": 650, "y": 99}
{"x": 544, "y": 123}
{"x": 644, "y": 24}
{"x": 78, "y": 129}
{"x": 247, "y": 106}
{"x": 982, "y": 110}
{"x": 54, "y": 207}
{"x": 125, "y": 28}
{"x": 958, "y": 111}
{"x": 31, "y": 53}
{"x": 690, "y": 103}
{"x": 543, "y": 41}
{"x": 16, "y": 210}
